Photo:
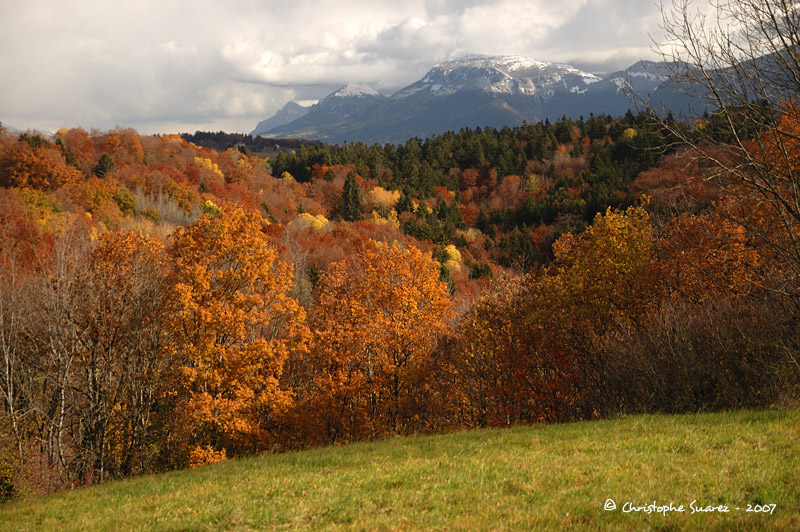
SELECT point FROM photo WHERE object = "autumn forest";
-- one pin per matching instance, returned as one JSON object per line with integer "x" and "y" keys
{"x": 171, "y": 301}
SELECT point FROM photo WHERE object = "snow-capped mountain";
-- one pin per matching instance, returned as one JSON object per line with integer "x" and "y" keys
{"x": 474, "y": 91}
{"x": 644, "y": 82}
{"x": 644, "y": 77}
{"x": 332, "y": 109}
{"x": 353, "y": 90}
{"x": 502, "y": 75}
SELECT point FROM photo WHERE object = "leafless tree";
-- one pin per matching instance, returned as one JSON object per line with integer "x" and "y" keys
{"x": 122, "y": 366}
{"x": 12, "y": 315}
{"x": 52, "y": 352}
{"x": 743, "y": 58}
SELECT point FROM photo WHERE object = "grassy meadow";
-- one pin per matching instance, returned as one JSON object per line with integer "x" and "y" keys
{"x": 548, "y": 477}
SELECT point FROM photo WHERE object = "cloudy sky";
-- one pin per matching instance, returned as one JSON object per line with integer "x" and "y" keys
{"x": 174, "y": 65}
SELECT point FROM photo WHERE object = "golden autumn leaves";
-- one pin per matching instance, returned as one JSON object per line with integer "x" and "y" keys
{"x": 252, "y": 368}
{"x": 140, "y": 354}
{"x": 192, "y": 350}
{"x": 233, "y": 326}
{"x": 376, "y": 323}
{"x": 520, "y": 349}
{"x": 248, "y": 368}
{"x": 229, "y": 334}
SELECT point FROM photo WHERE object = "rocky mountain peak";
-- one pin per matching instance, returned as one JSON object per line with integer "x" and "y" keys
{"x": 353, "y": 90}
{"x": 503, "y": 75}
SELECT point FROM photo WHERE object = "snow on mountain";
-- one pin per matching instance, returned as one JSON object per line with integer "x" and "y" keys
{"x": 347, "y": 99}
{"x": 485, "y": 91}
{"x": 643, "y": 78}
{"x": 501, "y": 75}
{"x": 332, "y": 109}
{"x": 353, "y": 90}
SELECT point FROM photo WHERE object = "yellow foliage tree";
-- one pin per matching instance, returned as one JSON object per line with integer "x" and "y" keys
{"x": 305, "y": 220}
{"x": 382, "y": 200}
{"x": 605, "y": 274}
{"x": 234, "y": 326}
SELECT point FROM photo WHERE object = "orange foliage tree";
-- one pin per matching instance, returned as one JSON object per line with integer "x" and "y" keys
{"x": 377, "y": 321}
{"x": 233, "y": 327}
{"x": 706, "y": 256}
{"x": 35, "y": 163}
{"x": 79, "y": 147}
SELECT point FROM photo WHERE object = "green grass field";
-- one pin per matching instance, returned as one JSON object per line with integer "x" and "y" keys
{"x": 552, "y": 477}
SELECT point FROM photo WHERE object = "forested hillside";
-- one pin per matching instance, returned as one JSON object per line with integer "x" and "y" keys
{"x": 165, "y": 305}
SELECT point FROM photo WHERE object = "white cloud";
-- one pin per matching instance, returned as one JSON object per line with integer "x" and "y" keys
{"x": 178, "y": 65}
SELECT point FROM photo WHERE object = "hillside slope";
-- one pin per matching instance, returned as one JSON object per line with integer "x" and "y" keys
{"x": 552, "y": 477}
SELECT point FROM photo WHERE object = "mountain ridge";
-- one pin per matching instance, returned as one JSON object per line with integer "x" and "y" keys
{"x": 288, "y": 114}
{"x": 477, "y": 91}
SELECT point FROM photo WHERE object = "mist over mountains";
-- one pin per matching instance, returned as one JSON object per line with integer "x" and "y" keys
{"x": 475, "y": 91}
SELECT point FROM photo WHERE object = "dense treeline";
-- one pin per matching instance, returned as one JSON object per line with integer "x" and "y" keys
{"x": 165, "y": 305}
{"x": 221, "y": 141}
